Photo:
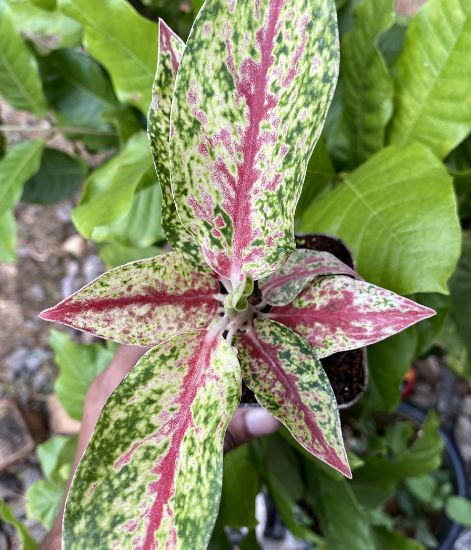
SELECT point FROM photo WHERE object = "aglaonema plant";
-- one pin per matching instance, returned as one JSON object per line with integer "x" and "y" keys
{"x": 235, "y": 115}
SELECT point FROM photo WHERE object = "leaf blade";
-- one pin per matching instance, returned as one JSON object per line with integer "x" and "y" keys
{"x": 241, "y": 147}
{"x": 198, "y": 376}
{"x": 367, "y": 87}
{"x": 19, "y": 78}
{"x": 339, "y": 313}
{"x": 171, "y": 49}
{"x": 288, "y": 380}
{"x": 79, "y": 365}
{"x": 433, "y": 77}
{"x": 142, "y": 303}
{"x": 118, "y": 37}
{"x": 397, "y": 213}
{"x": 300, "y": 269}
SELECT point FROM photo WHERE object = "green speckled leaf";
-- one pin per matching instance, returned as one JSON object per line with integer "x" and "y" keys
{"x": 434, "y": 78}
{"x": 252, "y": 91}
{"x": 339, "y": 313}
{"x": 171, "y": 49}
{"x": 300, "y": 269}
{"x": 151, "y": 476}
{"x": 288, "y": 380}
{"x": 142, "y": 303}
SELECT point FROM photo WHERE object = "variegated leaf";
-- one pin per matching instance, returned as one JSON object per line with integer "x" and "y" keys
{"x": 151, "y": 476}
{"x": 299, "y": 270}
{"x": 250, "y": 100}
{"x": 171, "y": 49}
{"x": 339, "y": 313}
{"x": 289, "y": 381}
{"x": 143, "y": 302}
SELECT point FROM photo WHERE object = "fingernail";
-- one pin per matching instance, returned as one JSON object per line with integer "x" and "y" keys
{"x": 259, "y": 422}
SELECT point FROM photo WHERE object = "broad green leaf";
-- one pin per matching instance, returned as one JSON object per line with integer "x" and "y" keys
{"x": 457, "y": 356}
{"x": 344, "y": 523}
{"x": 459, "y": 509}
{"x": 300, "y": 269}
{"x": 141, "y": 226}
{"x": 79, "y": 365}
{"x": 394, "y": 540}
{"x": 171, "y": 49}
{"x": 20, "y": 163}
{"x": 16, "y": 167}
{"x": 433, "y": 76}
{"x": 7, "y": 236}
{"x": 115, "y": 254}
{"x": 288, "y": 380}
{"x": 422, "y": 487}
{"x": 339, "y": 313}
{"x": 58, "y": 177}
{"x": 319, "y": 174}
{"x": 45, "y": 4}
{"x": 250, "y": 100}
{"x": 43, "y": 500}
{"x": 460, "y": 288}
{"x": 108, "y": 192}
{"x": 122, "y": 41}
{"x": 56, "y": 453}
{"x": 388, "y": 362}
{"x": 240, "y": 486}
{"x": 397, "y": 213}
{"x": 82, "y": 96}
{"x": 7, "y": 515}
{"x": 19, "y": 78}
{"x": 366, "y": 85}
{"x": 142, "y": 303}
{"x": 47, "y": 29}
{"x": 422, "y": 457}
{"x": 152, "y": 474}
{"x": 280, "y": 468}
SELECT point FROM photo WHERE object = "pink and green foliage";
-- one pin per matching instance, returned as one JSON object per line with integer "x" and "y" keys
{"x": 234, "y": 118}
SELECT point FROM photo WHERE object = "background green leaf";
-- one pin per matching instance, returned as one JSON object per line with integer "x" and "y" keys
{"x": 7, "y": 515}
{"x": 397, "y": 213}
{"x": 388, "y": 362}
{"x": 58, "y": 177}
{"x": 79, "y": 365}
{"x": 241, "y": 484}
{"x": 366, "y": 85}
{"x": 433, "y": 76}
{"x": 7, "y": 236}
{"x": 109, "y": 191}
{"x": 459, "y": 509}
{"x": 460, "y": 288}
{"x": 141, "y": 226}
{"x": 47, "y": 28}
{"x": 16, "y": 167}
{"x": 19, "y": 77}
{"x": 123, "y": 41}
{"x": 82, "y": 96}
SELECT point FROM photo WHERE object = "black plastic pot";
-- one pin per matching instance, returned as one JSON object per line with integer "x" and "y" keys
{"x": 347, "y": 371}
{"x": 448, "y": 531}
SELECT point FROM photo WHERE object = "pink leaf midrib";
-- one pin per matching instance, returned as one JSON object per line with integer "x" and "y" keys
{"x": 71, "y": 307}
{"x": 246, "y": 172}
{"x": 288, "y": 382}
